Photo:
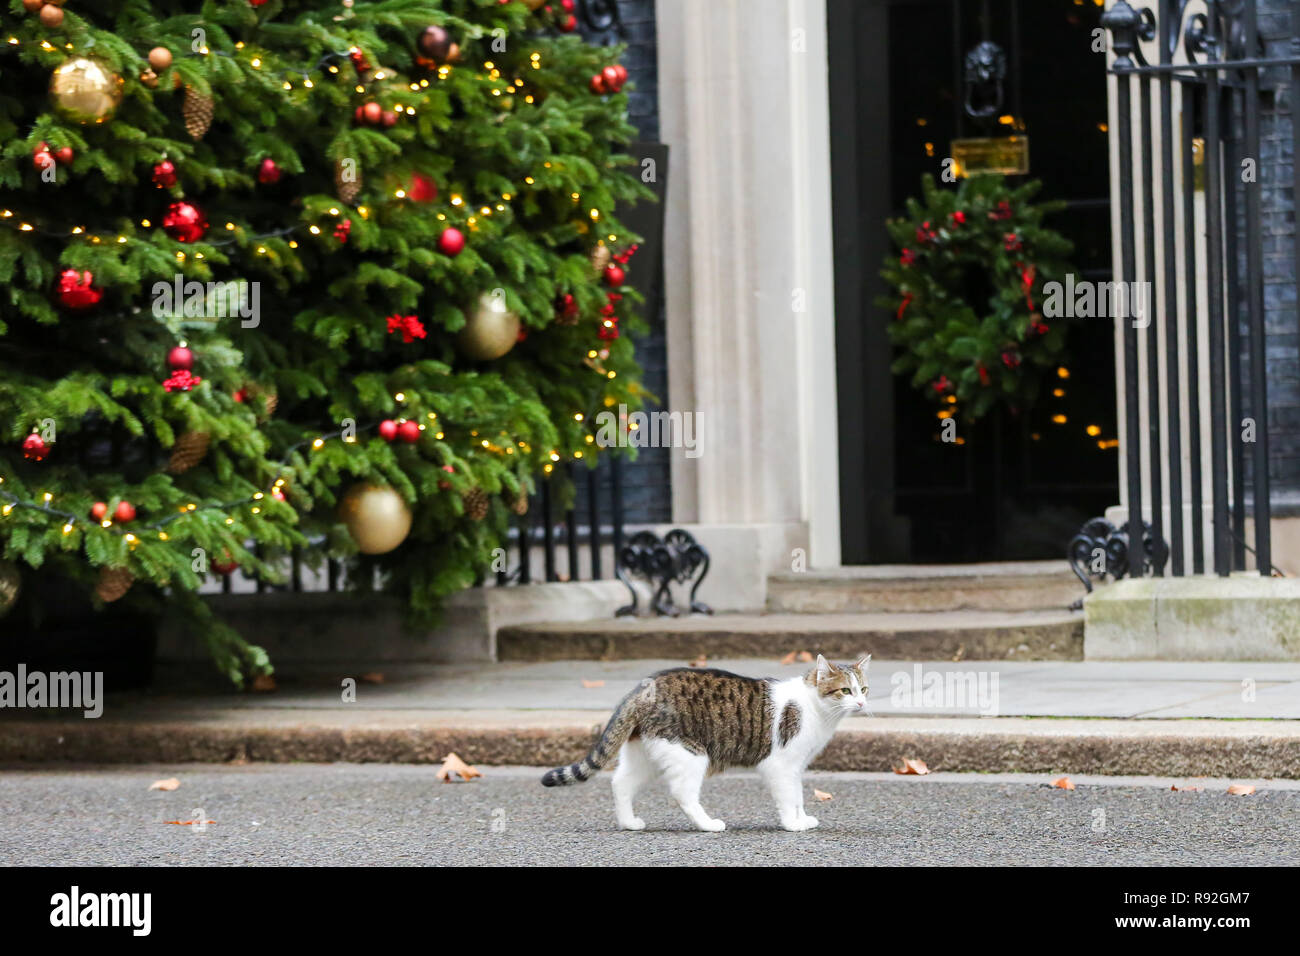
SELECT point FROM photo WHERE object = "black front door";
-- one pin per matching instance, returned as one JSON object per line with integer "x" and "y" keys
{"x": 1018, "y": 486}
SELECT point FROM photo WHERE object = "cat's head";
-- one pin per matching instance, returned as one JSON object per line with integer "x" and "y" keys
{"x": 841, "y": 688}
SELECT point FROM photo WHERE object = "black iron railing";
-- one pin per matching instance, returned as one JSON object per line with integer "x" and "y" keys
{"x": 1205, "y": 76}
{"x": 580, "y": 542}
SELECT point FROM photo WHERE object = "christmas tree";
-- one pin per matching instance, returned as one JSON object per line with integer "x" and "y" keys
{"x": 342, "y": 277}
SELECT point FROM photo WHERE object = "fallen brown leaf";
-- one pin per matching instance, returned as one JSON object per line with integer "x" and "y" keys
{"x": 187, "y": 823}
{"x": 789, "y": 658}
{"x": 1063, "y": 783}
{"x": 372, "y": 678}
{"x": 1185, "y": 789}
{"x": 822, "y": 795}
{"x": 910, "y": 766}
{"x": 263, "y": 682}
{"x": 700, "y": 661}
{"x": 1241, "y": 790}
{"x": 454, "y": 766}
{"x": 593, "y": 683}
{"x": 171, "y": 783}
{"x": 805, "y": 657}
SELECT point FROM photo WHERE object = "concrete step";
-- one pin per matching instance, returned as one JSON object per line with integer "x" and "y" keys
{"x": 933, "y": 636}
{"x": 1183, "y": 748}
{"x": 995, "y": 586}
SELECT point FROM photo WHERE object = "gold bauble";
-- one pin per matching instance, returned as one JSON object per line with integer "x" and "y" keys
{"x": 11, "y": 584}
{"x": 491, "y": 331}
{"x": 85, "y": 90}
{"x": 376, "y": 516}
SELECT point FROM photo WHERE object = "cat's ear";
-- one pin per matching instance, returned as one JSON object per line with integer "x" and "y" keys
{"x": 823, "y": 668}
{"x": 861, "y": 666}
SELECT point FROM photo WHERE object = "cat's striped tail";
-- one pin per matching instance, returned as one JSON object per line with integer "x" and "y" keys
{"x": 620, "y": 727}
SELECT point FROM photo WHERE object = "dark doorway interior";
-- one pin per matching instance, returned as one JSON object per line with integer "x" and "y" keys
{"x": 1021, "y": 485}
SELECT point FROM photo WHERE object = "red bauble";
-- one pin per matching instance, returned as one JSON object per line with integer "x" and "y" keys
{"x": 372, "y": 112}
{"x": 597, "y": 84}
{"x": 567, "y": 5}
{"x": 180, "y": 357}
{"x": 268, "y": 173}
{"x": 42, "y": 159}
{"x": 390, "y": 118}
{"x": 185, "y": 222}
{"x": 98, "y": 510}
{"x": 34, "y": 447}
{"x": 569, "y": 23}
{"x": 76, "y": 291}
{"x": 409, "y": 432}
{"x": 435, "y": 43}
{"x": 621, "y": 71}
{"x": 614, "y": 275}
{"x": 610, "y": 76}
{"x": 422, "y": 189}
{"x": 451, "y": 242}
{"x": 359, "y": 114}
{"x": 256, "y": 3}
{"x": 125, "y": 511}
{"x": 226, "y": 566}
{"x": 388, "y": 429}
{"x": 64, "y": 155}
{"x": 164, "y": 174}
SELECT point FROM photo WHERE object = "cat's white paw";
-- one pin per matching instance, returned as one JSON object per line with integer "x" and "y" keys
{"x": 799, "y": 825}
{"x": 636, "y": 823}
{"x": 712, "y": 826}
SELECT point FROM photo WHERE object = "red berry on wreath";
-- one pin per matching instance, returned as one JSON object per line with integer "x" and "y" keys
{"x": 164, "y": 174}
{"x": 125, "y": 512}
{"x": 98, "y": 510}
{"x": 76, "y": 289}
{"x": 180, "y": 357}
{"x": 614, "y": 275}
{"x": 388, "y": 429}
{"x": 268, "y": 173}
{"x": 451, "y": 242}
{"x": 409, "y": 432}
{"x": 35, "y": 448}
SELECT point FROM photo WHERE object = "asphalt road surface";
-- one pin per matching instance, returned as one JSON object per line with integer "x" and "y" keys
{"x": 373, "y": 814}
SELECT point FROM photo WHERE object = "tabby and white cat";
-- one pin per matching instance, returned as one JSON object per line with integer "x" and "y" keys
{"x": 685, "y": 724}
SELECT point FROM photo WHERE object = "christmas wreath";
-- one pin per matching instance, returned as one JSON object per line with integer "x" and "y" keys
{"x": 967, "y": 283}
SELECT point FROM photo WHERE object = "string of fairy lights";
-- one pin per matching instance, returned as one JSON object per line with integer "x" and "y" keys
{"x": 290, "y": 80}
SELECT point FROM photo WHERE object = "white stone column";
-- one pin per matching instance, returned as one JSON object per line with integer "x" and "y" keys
{"x": 749, "y": 284}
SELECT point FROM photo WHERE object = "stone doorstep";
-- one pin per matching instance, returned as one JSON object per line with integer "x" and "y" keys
{"x": 1203, "y": 617}
{"x": 1184, "y": 748}
{"x": 1005, "y": 586}
{"x": 940, "y": 635}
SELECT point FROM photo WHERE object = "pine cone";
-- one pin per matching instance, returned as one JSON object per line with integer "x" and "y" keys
{"x": 347, "y": 190}
{"x": 188, "y": 452}
{"x": 476, "y": 504}
{"x": 113, "y": 583}
{"x": 600, "y": 258}
{"x": 520, "y": 505}
{"x": 197, "y": 110}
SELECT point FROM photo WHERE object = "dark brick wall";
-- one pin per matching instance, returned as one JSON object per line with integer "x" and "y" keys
{"x": 1277, "y": 200}
{"x": 647, "y": 494}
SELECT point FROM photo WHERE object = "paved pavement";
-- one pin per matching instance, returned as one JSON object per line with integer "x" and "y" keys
{"x": 382, "y": 814}
{"x": 1156, "y": 689}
